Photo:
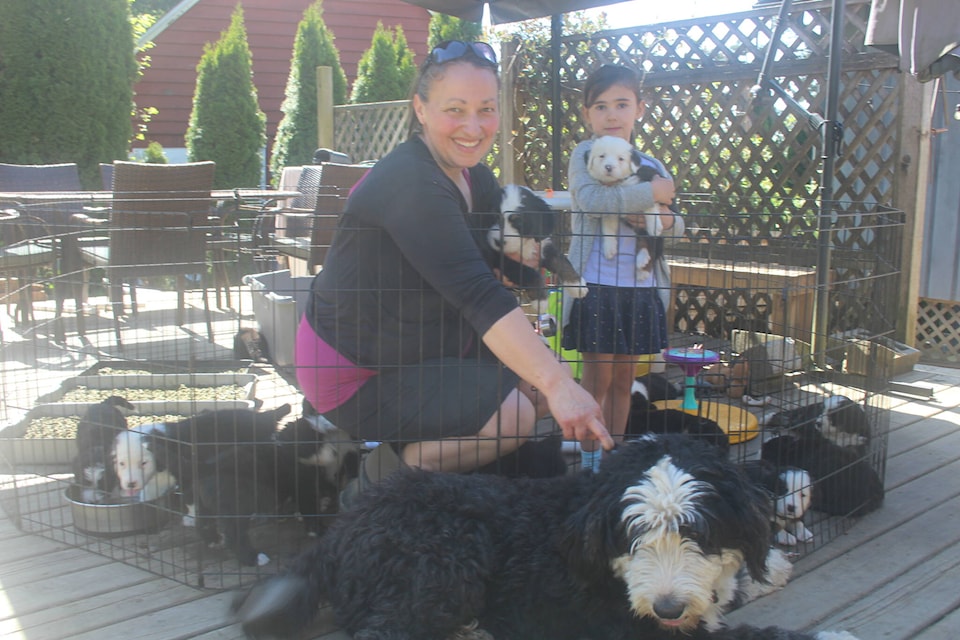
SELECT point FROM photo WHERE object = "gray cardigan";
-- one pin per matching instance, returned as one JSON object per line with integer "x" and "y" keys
{"x": 588, "y": 196}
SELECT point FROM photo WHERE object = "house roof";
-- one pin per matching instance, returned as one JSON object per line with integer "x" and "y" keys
{"x": 169, "y": 83}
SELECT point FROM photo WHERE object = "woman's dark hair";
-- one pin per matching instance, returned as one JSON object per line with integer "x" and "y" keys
{"x": 610, "y": 75}
{"x": 431, "y": 71}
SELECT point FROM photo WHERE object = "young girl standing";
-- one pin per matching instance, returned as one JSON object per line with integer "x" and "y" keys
{"x": 623, "y": 315}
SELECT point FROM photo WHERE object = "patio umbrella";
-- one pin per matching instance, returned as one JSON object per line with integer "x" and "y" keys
{"x": 924, "y": 33}
{"x": 502, "y": 11}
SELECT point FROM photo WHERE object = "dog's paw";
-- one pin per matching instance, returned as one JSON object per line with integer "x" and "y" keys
{"x": 801, "y": 532}
{"x": 188, "y": 521}
{"x": 609, "y": 247}
{"x": 643, "y": 260}
{"x": 835, "y": 635}
{"x": 262, "y": 559}
{"x": 786, "y": 539}
{"x": 578, "y": 290}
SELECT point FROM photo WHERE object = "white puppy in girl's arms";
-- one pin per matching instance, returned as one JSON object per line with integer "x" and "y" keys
{"x": 614, "y": 161}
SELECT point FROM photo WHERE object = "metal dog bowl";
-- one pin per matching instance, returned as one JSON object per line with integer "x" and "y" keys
{"x": 120, "y": 518}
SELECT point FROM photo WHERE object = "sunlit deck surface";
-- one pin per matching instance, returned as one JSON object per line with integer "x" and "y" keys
{"x": 893, "y": 575}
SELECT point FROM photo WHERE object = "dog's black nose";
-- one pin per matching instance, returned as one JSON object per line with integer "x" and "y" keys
{"x": 668, "y": 608}
{"x": 791, "y": 508}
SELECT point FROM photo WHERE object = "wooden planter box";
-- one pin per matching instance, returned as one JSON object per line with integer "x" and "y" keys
{"x": 790, "y": 289}
{"x": 18, "y": 450}
{"x": 246, "y": 383}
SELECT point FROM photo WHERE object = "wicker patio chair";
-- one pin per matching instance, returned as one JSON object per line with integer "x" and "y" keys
{"x": 25, "y": 246}
{"x": 159, "y": 223}
{"x": 333, "y": 184}
{"x": 56, "y": 218}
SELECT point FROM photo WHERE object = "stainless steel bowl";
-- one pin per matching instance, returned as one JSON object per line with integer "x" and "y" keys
{"x": 121, "y": 518}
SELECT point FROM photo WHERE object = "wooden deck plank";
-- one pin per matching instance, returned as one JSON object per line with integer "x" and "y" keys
{"x": 60, "y": 590}
{"x": 187, "y": 620}
{"x": 943, "y": 629}
{"x": 49, "y": 565}
{"x": 84, "y": 614}
{"x": 926, "y": 591}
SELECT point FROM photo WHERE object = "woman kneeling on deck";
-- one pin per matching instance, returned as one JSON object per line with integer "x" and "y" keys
{"x": 407, "y": 330}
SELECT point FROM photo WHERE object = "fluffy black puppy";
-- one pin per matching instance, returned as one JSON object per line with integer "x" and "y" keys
{"x": 844, "y": 481}
{"x": 652, "y": 541}
{"x": 96, "y": 430}
{"x": 315, "y": 465}
{"x": 645, "y": 418}
{"x": 526, "y": 220}
{"x": 236, "y": 483}
{"x": 541, "y": 458}
{"x": 177, "y": 447}
{"x": 102, "y": 421}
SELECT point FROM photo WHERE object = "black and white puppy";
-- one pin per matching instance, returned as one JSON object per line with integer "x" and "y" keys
{"x": 791, "y": 491}
{"x": 612, "y": 160}
{"x": 139, "y": 454}
{"x": 526, "y": 223}
{"x": 95, "y": 433}
{"x": 844, "y": 482}
{"x": 648, "y": 547}
{"x": 645, "y": 418}
{"x": 656, "y": 387}
{"x": 840, "y": 419}
{"x": 316, "y": 461}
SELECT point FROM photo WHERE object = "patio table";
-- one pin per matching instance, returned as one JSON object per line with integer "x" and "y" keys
{"x": 69, "y": 213}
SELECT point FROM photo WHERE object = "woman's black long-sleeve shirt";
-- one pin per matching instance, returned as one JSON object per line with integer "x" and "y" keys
{"x": 404, "y": 280}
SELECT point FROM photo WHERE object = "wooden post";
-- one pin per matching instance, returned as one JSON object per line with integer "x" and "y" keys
{"x": 508, "y": 53}
{"x": 910, "y": 194}
{"x": 325, "y": 107}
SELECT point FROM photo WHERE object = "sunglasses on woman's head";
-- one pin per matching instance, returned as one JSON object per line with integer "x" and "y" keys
{"x": 454, "y": 49}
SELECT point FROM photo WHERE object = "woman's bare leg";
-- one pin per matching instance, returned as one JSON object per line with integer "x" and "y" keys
{"x": 504, "y": 432}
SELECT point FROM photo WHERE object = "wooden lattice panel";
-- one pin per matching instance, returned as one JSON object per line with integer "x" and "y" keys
{"x": 938, "y": 331}
{"x": 370, "y": 131}
{"x": 702, "y": 121}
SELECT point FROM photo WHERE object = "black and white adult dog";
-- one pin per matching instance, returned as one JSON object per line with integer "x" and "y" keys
{"x": 839, "y": 419}
{"x": 791, "y": 491}
{"x": 648, "y": 547}
{"x": 844, "y": 482}
{"x": 95, "y": 433}
{"x": 612, "y": 160}
{"x": 525, "y": 223}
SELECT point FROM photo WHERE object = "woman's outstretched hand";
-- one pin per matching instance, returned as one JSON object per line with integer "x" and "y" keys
{"x": 578, "y": 414}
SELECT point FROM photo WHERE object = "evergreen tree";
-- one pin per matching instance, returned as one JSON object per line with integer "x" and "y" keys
{"x": 386, "y": 69}
{"x": 443, "y": 27}
{"x": 226, "y": 124}
{"x": 296, "y": 138}
{"x": 66, "y": 83}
